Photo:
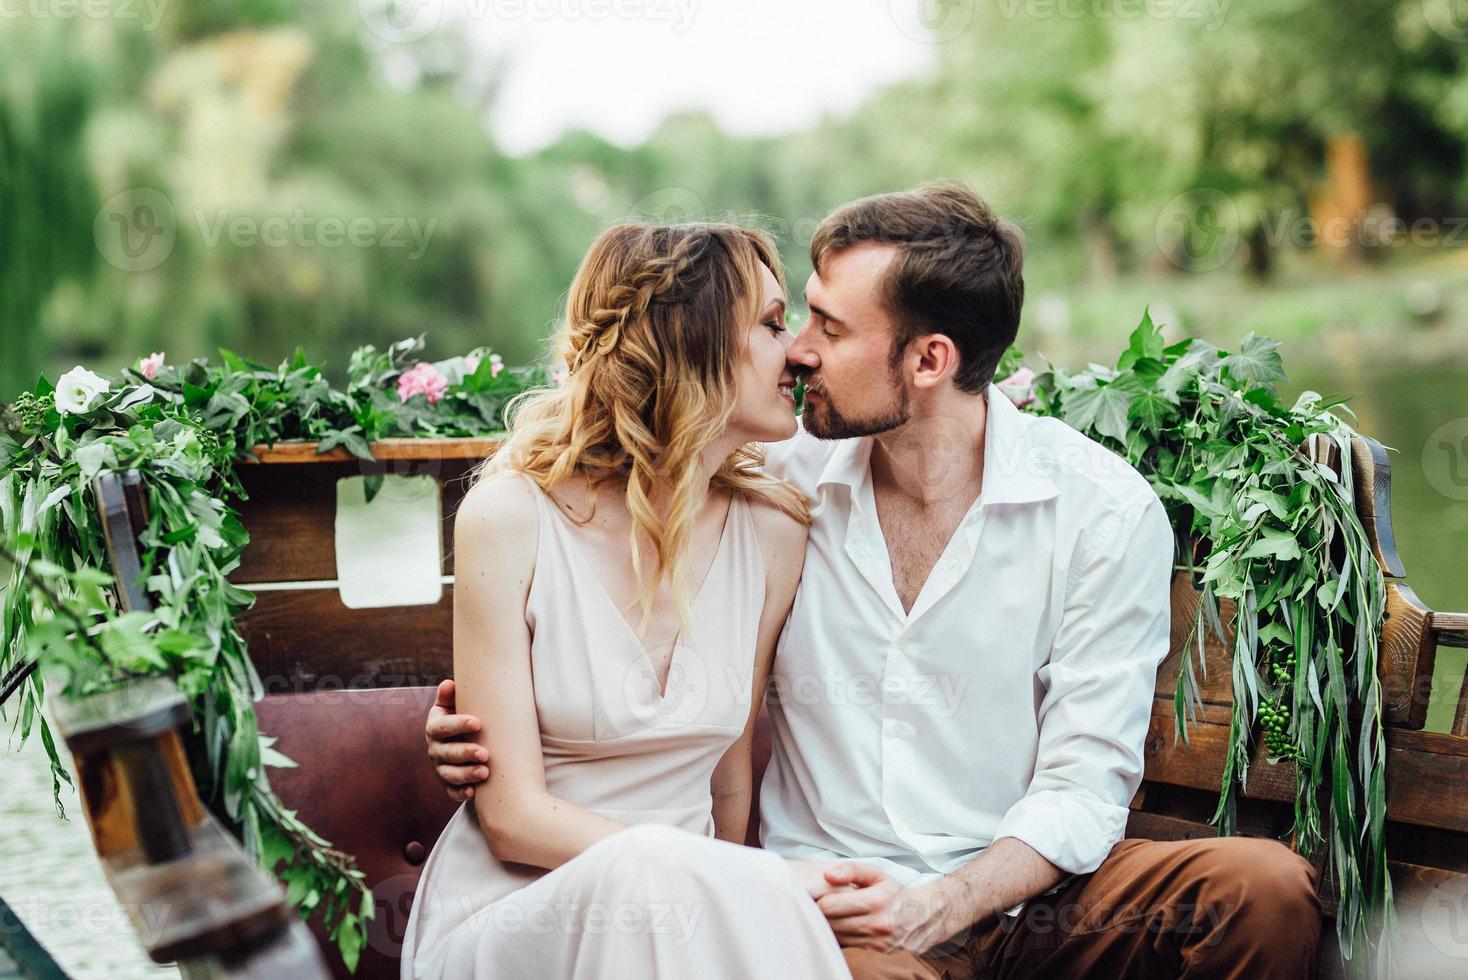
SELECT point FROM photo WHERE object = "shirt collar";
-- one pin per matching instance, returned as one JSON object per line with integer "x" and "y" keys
{"x": 1014, "y": 472}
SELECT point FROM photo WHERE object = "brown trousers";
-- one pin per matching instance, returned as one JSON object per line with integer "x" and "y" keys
{"x": 1218, "y": 908}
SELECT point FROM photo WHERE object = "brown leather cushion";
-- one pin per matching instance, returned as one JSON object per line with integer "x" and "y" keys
{"x": 365, "y": 784}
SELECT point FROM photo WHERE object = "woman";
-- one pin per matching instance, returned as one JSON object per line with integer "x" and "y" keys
{"x": 622, "y": 572}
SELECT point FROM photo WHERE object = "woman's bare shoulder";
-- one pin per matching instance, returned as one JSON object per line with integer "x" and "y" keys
{"x": 781, "y": 536}
{"x": 499, "y": 507}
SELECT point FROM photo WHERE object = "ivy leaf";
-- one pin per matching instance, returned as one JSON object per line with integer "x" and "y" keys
{"x": 232, "y": 361}
{"x": 1152, "y": 411}
{"x": 1257, "y": 361}
{"x": 1103, "y": 408}
{"x": 1146, "y": 343}
{"x": 1200, "y": 358}
{"x": 194, "y": 395}
{"x": 351, "y": 440}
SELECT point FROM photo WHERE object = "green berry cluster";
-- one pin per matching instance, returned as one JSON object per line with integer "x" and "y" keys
{"x": 1283, "y": 667}
{"x": 31, "y": 409}
{"x": 1274, "y": 715}
{"x": 208, "y": 441}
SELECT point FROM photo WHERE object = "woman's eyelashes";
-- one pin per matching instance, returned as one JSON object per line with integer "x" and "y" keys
{"x": 776, "y": 327}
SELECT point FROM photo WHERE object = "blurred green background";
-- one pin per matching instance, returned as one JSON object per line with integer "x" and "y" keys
{"x": 268, "y": 173}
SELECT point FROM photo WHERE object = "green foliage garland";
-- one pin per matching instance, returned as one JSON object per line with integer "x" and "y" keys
{"x": 182, "y": 430}
{"x": 1280, "y": 538}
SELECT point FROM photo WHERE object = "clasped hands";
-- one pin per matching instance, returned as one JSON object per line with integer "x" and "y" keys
{"x": 867, "y": 908}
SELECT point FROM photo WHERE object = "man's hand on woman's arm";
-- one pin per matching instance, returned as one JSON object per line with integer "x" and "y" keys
{"x": 461, "y": 764}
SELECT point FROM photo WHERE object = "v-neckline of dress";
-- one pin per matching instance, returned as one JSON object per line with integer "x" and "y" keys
{"x": 575, "y": 548}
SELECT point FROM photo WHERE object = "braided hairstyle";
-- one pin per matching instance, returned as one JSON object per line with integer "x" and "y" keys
{"x": 653, "y": 333}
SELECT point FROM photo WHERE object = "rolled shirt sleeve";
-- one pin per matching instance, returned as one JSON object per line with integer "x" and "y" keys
{"x": 1098, "y": 688}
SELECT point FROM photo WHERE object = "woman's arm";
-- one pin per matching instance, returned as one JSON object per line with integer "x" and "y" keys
{"x": 495, "y": 533}
{"x": 782, "y": 542}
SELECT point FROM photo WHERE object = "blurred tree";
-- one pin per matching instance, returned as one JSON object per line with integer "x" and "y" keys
{"x": 48, "y": 90}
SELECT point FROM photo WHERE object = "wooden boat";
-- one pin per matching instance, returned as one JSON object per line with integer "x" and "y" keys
{"x": 348, "y": 691}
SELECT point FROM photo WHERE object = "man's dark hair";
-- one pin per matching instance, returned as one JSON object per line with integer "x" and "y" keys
{"x": 958, "y": 272}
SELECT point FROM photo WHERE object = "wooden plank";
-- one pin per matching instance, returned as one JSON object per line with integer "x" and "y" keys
{"x": 1424, "y": 788}
{"x": 217, "y": 899}
{"x": 291, "y": 515}
{"x": 1373, "y": 482}
{"x": 306, "y": 640}
{"x": 1460, "y": 717}
{"x": 1155, "y": 826}
{"x": 415, "y": 448}
{"x": 120, "y": 507}
{"x": 1427, "y": 773}
{"x": 1215, "y": 676}
{"x": 1198, "y": 763}
{"x": 1408, "y": 658}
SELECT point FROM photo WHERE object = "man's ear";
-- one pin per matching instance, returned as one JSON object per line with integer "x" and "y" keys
{"x": 936, "y": 357}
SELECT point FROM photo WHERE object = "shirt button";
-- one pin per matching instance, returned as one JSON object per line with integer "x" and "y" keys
{"x": 896, "y": 728}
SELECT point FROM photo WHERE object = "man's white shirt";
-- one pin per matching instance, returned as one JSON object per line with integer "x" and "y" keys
{"x": 1012, "y": 701}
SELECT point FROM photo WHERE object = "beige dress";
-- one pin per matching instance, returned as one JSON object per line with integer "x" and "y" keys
{"x": 662, "y": 898}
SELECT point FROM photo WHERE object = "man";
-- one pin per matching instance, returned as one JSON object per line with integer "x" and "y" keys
{"x": 962, "y": 689}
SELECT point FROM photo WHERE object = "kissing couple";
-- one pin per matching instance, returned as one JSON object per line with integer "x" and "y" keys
{"x": 661, "y": 540}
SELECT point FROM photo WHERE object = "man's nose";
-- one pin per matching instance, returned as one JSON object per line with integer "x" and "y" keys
{"x": 800, "y": 355}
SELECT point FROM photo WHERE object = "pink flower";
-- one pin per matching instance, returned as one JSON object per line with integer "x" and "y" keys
{"x": 150, "y": 364}
{"x": 559, "y": 376}
{"x": 496, "y": 365}
{"x": 422, "y": 379}
{"x": 1019, "y": 387}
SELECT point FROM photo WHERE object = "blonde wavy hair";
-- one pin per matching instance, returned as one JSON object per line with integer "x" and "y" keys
{"x": 653, "y": 334}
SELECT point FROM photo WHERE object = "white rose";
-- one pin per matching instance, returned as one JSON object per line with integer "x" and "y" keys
{"x": 76, "y": 389}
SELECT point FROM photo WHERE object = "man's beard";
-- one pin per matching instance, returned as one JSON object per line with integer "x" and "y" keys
{"x": 826, "y": 421}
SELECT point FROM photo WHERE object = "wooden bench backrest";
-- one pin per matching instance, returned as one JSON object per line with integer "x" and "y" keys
{"x": 303, "y": 639}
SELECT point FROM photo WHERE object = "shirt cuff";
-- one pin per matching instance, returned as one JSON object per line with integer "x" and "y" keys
{"x": 1071, "y": 831}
